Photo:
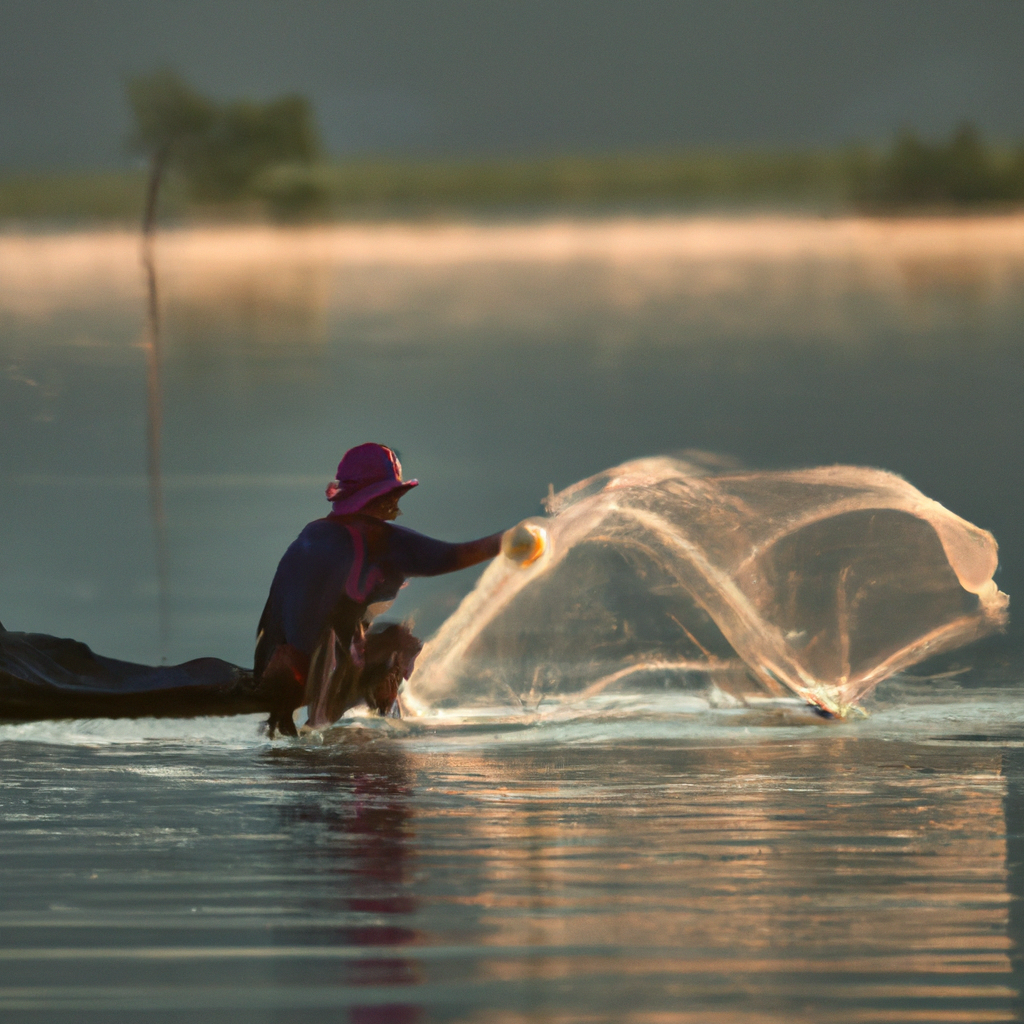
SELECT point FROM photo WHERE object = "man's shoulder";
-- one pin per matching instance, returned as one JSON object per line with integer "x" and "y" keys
{"x": 338, "y": 529}
{"x": 356, "y": 522}
{"x": 324, "y": 525}
{"x": 322, "y": 533}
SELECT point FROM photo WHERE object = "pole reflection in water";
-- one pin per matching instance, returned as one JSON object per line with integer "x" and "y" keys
{"x": 154, "y": 423}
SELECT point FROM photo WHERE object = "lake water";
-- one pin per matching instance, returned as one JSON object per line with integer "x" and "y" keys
{"x": 631, "y": 860}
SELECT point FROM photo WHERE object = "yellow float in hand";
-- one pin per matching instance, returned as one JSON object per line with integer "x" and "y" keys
{"x": 525, "y": 543}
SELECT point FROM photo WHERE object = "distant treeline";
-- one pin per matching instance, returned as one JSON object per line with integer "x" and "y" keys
{"x": 247, "y": 160}
{"x": 961, "y": 172}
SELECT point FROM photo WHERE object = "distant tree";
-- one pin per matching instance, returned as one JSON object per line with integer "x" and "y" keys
{"x": 246, "y": 140}
{"x": 960, "y": 172}
{"x": 970, "y": 171}
{"x": 172, "y": 122}
{"x": 167, "y": 111}
{"x": 221, "y": 150}
{"x": 1015, "y": 174}
{"x": 914, "y": 172}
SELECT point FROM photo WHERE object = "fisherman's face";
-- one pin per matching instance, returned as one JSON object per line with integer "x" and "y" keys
{"x": 384, "y": 507}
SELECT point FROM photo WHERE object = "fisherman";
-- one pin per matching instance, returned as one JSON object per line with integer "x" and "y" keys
{"x": 315, "y": 643}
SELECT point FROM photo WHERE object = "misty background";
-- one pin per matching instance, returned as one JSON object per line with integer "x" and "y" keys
{"x": 529, "y": 77}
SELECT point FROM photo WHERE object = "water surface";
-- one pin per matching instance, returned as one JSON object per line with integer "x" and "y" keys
{"x": 641, "y": 860}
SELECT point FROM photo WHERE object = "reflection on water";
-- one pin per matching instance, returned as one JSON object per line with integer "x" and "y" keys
{"x": 358, "y": 862}
{"x": 823, "y": 877}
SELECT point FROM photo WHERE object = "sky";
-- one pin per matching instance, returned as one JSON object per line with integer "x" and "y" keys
{"x": 492, "y": 78}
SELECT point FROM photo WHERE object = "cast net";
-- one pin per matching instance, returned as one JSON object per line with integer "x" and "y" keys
{"x": 663, "y": 572}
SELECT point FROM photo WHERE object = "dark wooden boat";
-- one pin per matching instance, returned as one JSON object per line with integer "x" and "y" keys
{"x": 47, "y": 677}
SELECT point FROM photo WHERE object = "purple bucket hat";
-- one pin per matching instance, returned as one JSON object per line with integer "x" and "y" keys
{"x": 366, "y": 472}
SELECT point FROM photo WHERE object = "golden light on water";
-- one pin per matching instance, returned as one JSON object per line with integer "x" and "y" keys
{"x": 523, "y": 272}
{"x": 766, "y": 860}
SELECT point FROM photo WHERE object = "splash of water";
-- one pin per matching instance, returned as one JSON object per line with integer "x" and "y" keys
{"x": 671, "y": 573}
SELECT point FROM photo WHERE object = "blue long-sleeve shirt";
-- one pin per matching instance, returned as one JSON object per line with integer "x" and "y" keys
{"x": 355, "y": 561}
